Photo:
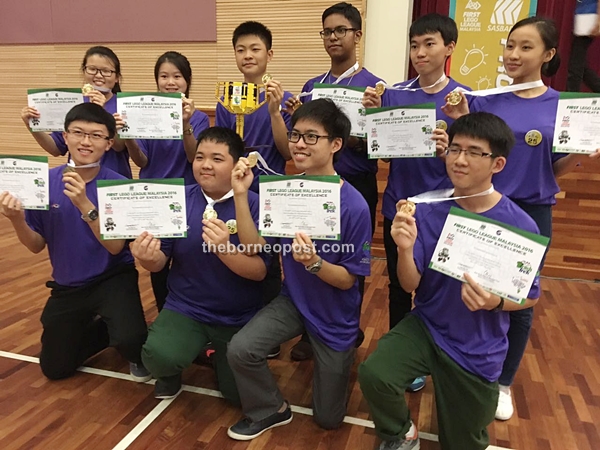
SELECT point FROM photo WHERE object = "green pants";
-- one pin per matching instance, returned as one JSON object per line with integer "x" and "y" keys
{"x": 466, "y": 403}
{"x": 175, "y": 340}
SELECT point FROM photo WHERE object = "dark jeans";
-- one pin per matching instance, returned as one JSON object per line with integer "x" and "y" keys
{"x": 522, "y": 320}
{"x": 159, "y": 285}
{"x": 72, "y": 332}
{"x": 579, "y": 70}
{"x": 400, "y": 301}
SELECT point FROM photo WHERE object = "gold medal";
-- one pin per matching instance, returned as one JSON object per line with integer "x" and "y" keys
{"x": 87, "y": 89}
{"x": 296, "y": 103}
{"x": 533, "y": 138}
{"x": 231, "y": 226}
{"x": 68, "y": 169}
{"x": 454, "y": 98}
{"x": 441, "y": 125}
{"x": 379, "y": 89}
{"x": 266, "y": 78}
{"x": 408, "y": 208}
{"x": 210, "y": 213}
{"x": 252, "y": 159}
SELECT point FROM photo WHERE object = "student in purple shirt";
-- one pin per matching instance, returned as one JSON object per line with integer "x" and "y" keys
{"x": 214, "y": 289}
{"x": 91, "y": 277}
{"x": 101, "y": 68}
{"x": 531, "y": 170}
{"x": 320, "y": 290}
{"x": 159, "y": 158}
{"x": 341, "y": 34}
{"x": 433, "y": 38}
{"x": 457, "y": 332}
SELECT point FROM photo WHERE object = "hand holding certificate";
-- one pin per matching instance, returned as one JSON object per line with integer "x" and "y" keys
{"x": 308, "y": 204}
{"x": 129, "y": 207}
{"x": 502, "y": 259}
{"x": 52, "y": 106}
{"x": 150, "y": 115}
{"x": 349, "y": 99}
{"x": 26, "y": 178}
{"x": 401, "y": 132}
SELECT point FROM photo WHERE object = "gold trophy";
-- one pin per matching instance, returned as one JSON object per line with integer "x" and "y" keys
{"x": 239, "y": 98}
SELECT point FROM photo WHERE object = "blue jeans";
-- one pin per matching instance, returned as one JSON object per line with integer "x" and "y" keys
{"x": 522, "y": 320}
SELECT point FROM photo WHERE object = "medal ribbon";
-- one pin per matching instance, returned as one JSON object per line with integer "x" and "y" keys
{"x": 444, "y": 195}
{"x": 346, "y": 74}
{"x": 503, "y": 89}
{"x": 411, "y": 89}
{"x": 210, "y": 203}
{"x": 85, "y": 166}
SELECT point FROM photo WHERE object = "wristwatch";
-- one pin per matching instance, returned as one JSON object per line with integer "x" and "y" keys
{"x": 315, "y": 267}
{"x": 500, "y": 306}
{"x": 189, "y": 130}
{"x": 90, "y": 216}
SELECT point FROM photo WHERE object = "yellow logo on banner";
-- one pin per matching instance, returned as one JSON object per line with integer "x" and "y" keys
{"x": 483, "y": 27}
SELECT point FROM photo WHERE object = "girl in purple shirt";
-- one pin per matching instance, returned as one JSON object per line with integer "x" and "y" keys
{"x": 529, "y": 178}
{"x": 101, "y": 68}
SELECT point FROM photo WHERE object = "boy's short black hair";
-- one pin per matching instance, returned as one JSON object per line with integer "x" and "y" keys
{"x": 434, "y": 23}
{"x": 327, "y": 114}
{"x": 92, "y": 113}
{"x": 347, "y": 10}
{"x": 222, "y": 135}
{"x": 487, "y": 127}
{"x": 252, "y": 28}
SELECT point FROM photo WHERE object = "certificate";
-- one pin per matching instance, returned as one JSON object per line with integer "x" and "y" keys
{"x": 129, "y": 207}
{"x": 401, "y": 132}
{"x": 349, "y": 100}
{"x": 26, "y": 178}
{"x": 150, "y": 115}
{"x": 577, "y": 126}
{"x": 53, "y": 105}
{"x": 502, "y": 259}
{"x": 310, "y": 204}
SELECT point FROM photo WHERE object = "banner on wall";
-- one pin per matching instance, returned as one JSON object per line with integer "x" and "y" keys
{"x": 483, "y": 27}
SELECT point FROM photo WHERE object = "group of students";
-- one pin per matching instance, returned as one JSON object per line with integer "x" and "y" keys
{"x": 470, "y": 341}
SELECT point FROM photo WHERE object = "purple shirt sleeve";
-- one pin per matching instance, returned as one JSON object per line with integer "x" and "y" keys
{"x": 57, "y": 136}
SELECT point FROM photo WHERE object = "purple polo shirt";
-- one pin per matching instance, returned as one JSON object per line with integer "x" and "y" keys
{"x": 117, "y": 161}
{"x": 76, "y": 256}
{"x": 258, "y": 134}
{"x": 528, "y": 176}
{"x": 350, "y": 162}
{"x": 167, "y": 158}
{"x": 412, "y": 176}
{"x": 202, "y": 287}
{"x": 329, "y": 313}
{"x": 476, "y": 341}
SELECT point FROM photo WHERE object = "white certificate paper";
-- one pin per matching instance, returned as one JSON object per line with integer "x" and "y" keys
{"x": 53, "y": 105}
{"x": 348, "y": 99}
{"x": 150, "y": 115}
{"x": 129, "y": 207}
{"x": 577, "y": 127}
{"x": 26, "y": 178}
{"x": 502, "y": 259}
{"x": 310, "y": 204}
{"x": 401, "y": 132}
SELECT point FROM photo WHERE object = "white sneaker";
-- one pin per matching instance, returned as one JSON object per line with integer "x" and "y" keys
{"x": 505, "y": 409}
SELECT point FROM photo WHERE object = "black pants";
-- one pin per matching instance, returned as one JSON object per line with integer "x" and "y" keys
{"x": 579, "y": 70}
{"x": 159, "y": 285}
{"x": 400, "y": 301}
{"x": 72, "y": 332}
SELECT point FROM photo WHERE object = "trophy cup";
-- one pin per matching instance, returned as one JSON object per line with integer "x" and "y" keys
{"x": 239, "y": 98}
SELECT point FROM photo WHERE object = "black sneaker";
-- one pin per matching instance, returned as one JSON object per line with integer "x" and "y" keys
{"x": 168, "y": 387}
{"x": 246, "y": 429}
{"x": 274, "y": 352}
{"x": 301, "y": 351}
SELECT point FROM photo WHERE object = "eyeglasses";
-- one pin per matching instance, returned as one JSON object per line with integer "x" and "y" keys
{"x": 94, "y": 137}
{"x": 309, "y": 138}
{"x": 471, "y": 154}
{"x": 339, "y": 32}
{"x": 91, "y": 70}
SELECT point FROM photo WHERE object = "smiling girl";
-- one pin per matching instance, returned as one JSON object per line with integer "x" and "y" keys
{"x": 102, "y": 70}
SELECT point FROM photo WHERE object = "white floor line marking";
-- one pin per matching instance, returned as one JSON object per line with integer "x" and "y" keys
{"x": 202, "y": 391}
{"x": 145, "y": 423}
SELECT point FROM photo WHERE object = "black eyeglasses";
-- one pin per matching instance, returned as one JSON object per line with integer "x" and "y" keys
{"x": 80, "y": 135}
{"x": 91, "y": 70}
{"x": 339, "y": 32}
{"x": 471, "y": 154}
{"x": 309, "y": 138}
